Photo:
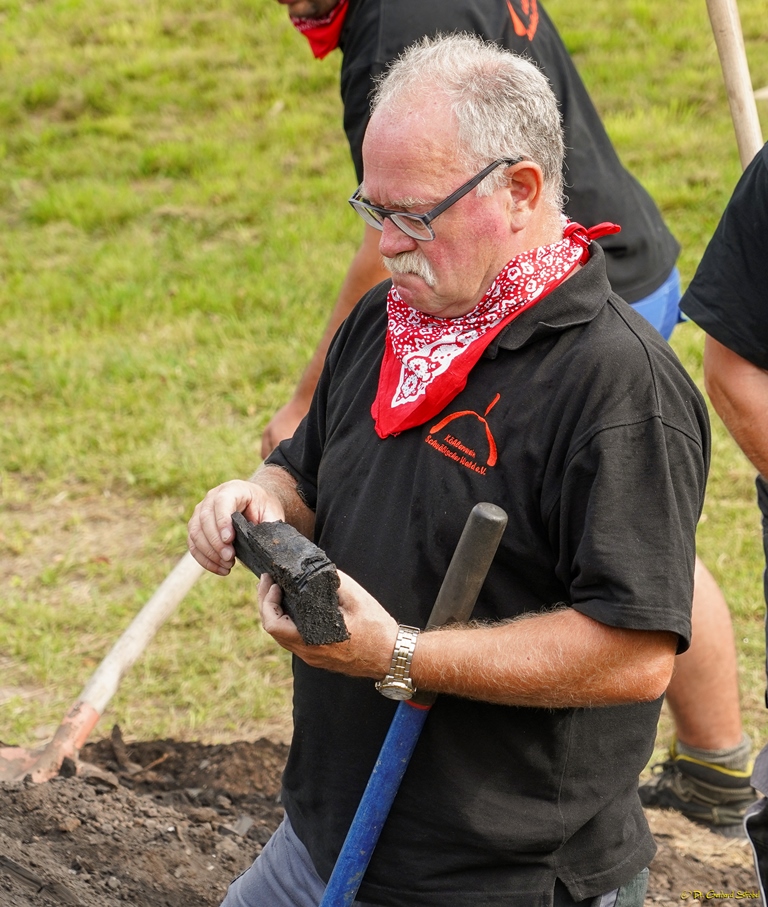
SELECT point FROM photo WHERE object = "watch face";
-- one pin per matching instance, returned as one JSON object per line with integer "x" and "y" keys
{"x": 395, "y": 689}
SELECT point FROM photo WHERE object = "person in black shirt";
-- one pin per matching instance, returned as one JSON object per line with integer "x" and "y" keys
{"x": 640, "y": 262}
{"x": 497, "y": 365}
{"x": 727, "y": 299}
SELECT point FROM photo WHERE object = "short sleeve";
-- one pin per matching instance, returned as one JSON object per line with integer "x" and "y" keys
{"x": 728, "y": 296}
{"x": 623, "y": 485}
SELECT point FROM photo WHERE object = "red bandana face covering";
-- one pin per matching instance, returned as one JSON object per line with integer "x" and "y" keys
{"x": 427, "y": 360}
{"x": 323, "y": 33}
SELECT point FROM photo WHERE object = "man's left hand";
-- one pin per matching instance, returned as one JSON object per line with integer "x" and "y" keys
{"x": 372, "y": 631}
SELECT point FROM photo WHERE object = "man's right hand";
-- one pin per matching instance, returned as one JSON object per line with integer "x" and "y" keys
{"x": 211, "y": 534}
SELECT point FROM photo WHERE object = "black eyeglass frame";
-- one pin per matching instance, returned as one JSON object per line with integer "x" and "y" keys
{"x": 368, "y": 211}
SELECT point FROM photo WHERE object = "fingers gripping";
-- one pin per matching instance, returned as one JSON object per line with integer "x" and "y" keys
{"x": 210, "y": 528}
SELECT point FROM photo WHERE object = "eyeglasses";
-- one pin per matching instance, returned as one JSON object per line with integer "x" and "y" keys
{"x": 418, "y": 226}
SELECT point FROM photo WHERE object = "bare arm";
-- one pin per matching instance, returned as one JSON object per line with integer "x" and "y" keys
{"x": 365, "y": 271}
{"x": 559, "y": 659}
{"x": 553, "y": 660}
{"x": 739, "y": 393}
{"x": 270, "y": 494}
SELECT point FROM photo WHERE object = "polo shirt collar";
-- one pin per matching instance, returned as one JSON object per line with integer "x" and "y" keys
{"x": 575, "y": 302}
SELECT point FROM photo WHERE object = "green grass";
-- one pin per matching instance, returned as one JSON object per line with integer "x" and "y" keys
{"x": 173, "y": 232}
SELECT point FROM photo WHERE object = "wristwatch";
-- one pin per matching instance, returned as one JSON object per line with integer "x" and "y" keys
{"x": 398, "y": 684}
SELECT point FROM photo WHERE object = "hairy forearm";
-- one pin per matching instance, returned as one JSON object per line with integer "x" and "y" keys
{"x": 279, "y": 482}
{"x": 739, "y": 393}
{"x": 558, "y": 659}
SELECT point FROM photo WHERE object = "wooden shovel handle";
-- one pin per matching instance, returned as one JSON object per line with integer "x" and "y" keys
{"x": 726, "y": 26}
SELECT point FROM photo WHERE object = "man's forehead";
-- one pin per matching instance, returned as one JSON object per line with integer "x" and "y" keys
{"x": 409, "y": 155}
{"x": 427, "y": 115}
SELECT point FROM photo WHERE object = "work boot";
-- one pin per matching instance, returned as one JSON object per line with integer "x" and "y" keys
{"x": 707, "y": 793}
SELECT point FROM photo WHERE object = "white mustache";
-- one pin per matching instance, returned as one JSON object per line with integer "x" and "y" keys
{"x": 411, "y": 263}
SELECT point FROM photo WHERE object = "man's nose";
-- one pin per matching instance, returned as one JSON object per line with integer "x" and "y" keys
{"x": 394, "y": 241}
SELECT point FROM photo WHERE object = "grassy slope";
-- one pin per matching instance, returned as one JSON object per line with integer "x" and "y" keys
{"x": 172, "y": 184}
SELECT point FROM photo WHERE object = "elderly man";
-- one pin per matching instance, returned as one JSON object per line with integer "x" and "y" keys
{"x": 499, "y": 337}
{"x": 640, "y": 262}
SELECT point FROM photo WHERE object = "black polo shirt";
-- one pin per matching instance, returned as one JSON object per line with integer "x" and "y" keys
{"x": 598, "y": 187}
{"x": 581, "y": 423}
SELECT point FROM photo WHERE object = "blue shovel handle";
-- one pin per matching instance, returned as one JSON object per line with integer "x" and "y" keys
{"x": 395, "y": 754}
{"x": 455, "y": 602}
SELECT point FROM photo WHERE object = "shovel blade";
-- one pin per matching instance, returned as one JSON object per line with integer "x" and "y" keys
{"x": 16, "y": 763}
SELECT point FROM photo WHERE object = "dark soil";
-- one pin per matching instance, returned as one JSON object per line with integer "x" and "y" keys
{"x": 167, "y": 824}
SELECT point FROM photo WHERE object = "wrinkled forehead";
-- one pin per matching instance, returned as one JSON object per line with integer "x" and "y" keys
{"x": 415, "y": 113}
{"x": 410, "y": 150}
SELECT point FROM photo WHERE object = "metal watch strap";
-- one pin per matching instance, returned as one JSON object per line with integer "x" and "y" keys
{"x": 398, "y": 678}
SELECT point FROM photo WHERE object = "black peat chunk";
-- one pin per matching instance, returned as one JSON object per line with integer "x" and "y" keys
{"x": 305, "y": 574}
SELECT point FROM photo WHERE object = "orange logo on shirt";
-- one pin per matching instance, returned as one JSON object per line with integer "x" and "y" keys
{"x": 463, "y": 454}
{"x": 529, "y": 13}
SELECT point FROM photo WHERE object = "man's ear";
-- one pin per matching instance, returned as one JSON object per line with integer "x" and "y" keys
{"x": 525, "y": 183}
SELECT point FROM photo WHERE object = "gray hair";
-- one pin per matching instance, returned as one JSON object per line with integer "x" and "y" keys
{"x": 503, "y": 104}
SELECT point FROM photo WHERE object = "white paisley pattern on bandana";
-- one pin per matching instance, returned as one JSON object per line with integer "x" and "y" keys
{"x": 427, "y": 360}
{"x": 426, "y": 346}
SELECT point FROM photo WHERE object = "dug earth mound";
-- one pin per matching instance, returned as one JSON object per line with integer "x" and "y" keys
{"x": 168, "y": 824}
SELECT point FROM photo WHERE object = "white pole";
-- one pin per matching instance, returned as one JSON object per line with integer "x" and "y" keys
{"x": 726, "y": 26}
{"x": 106, "y": 678}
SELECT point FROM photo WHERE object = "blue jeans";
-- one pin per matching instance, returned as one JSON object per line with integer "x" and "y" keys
{"x": 661, "y": 307}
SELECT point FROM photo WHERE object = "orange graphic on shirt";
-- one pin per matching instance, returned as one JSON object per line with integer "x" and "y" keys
{"x": 529, "y": 12}
{"x": 455, "y": 443}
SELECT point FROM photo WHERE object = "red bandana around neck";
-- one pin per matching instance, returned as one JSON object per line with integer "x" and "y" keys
{"x": 427, "y": 360}
{"x": 323, "y": 33}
